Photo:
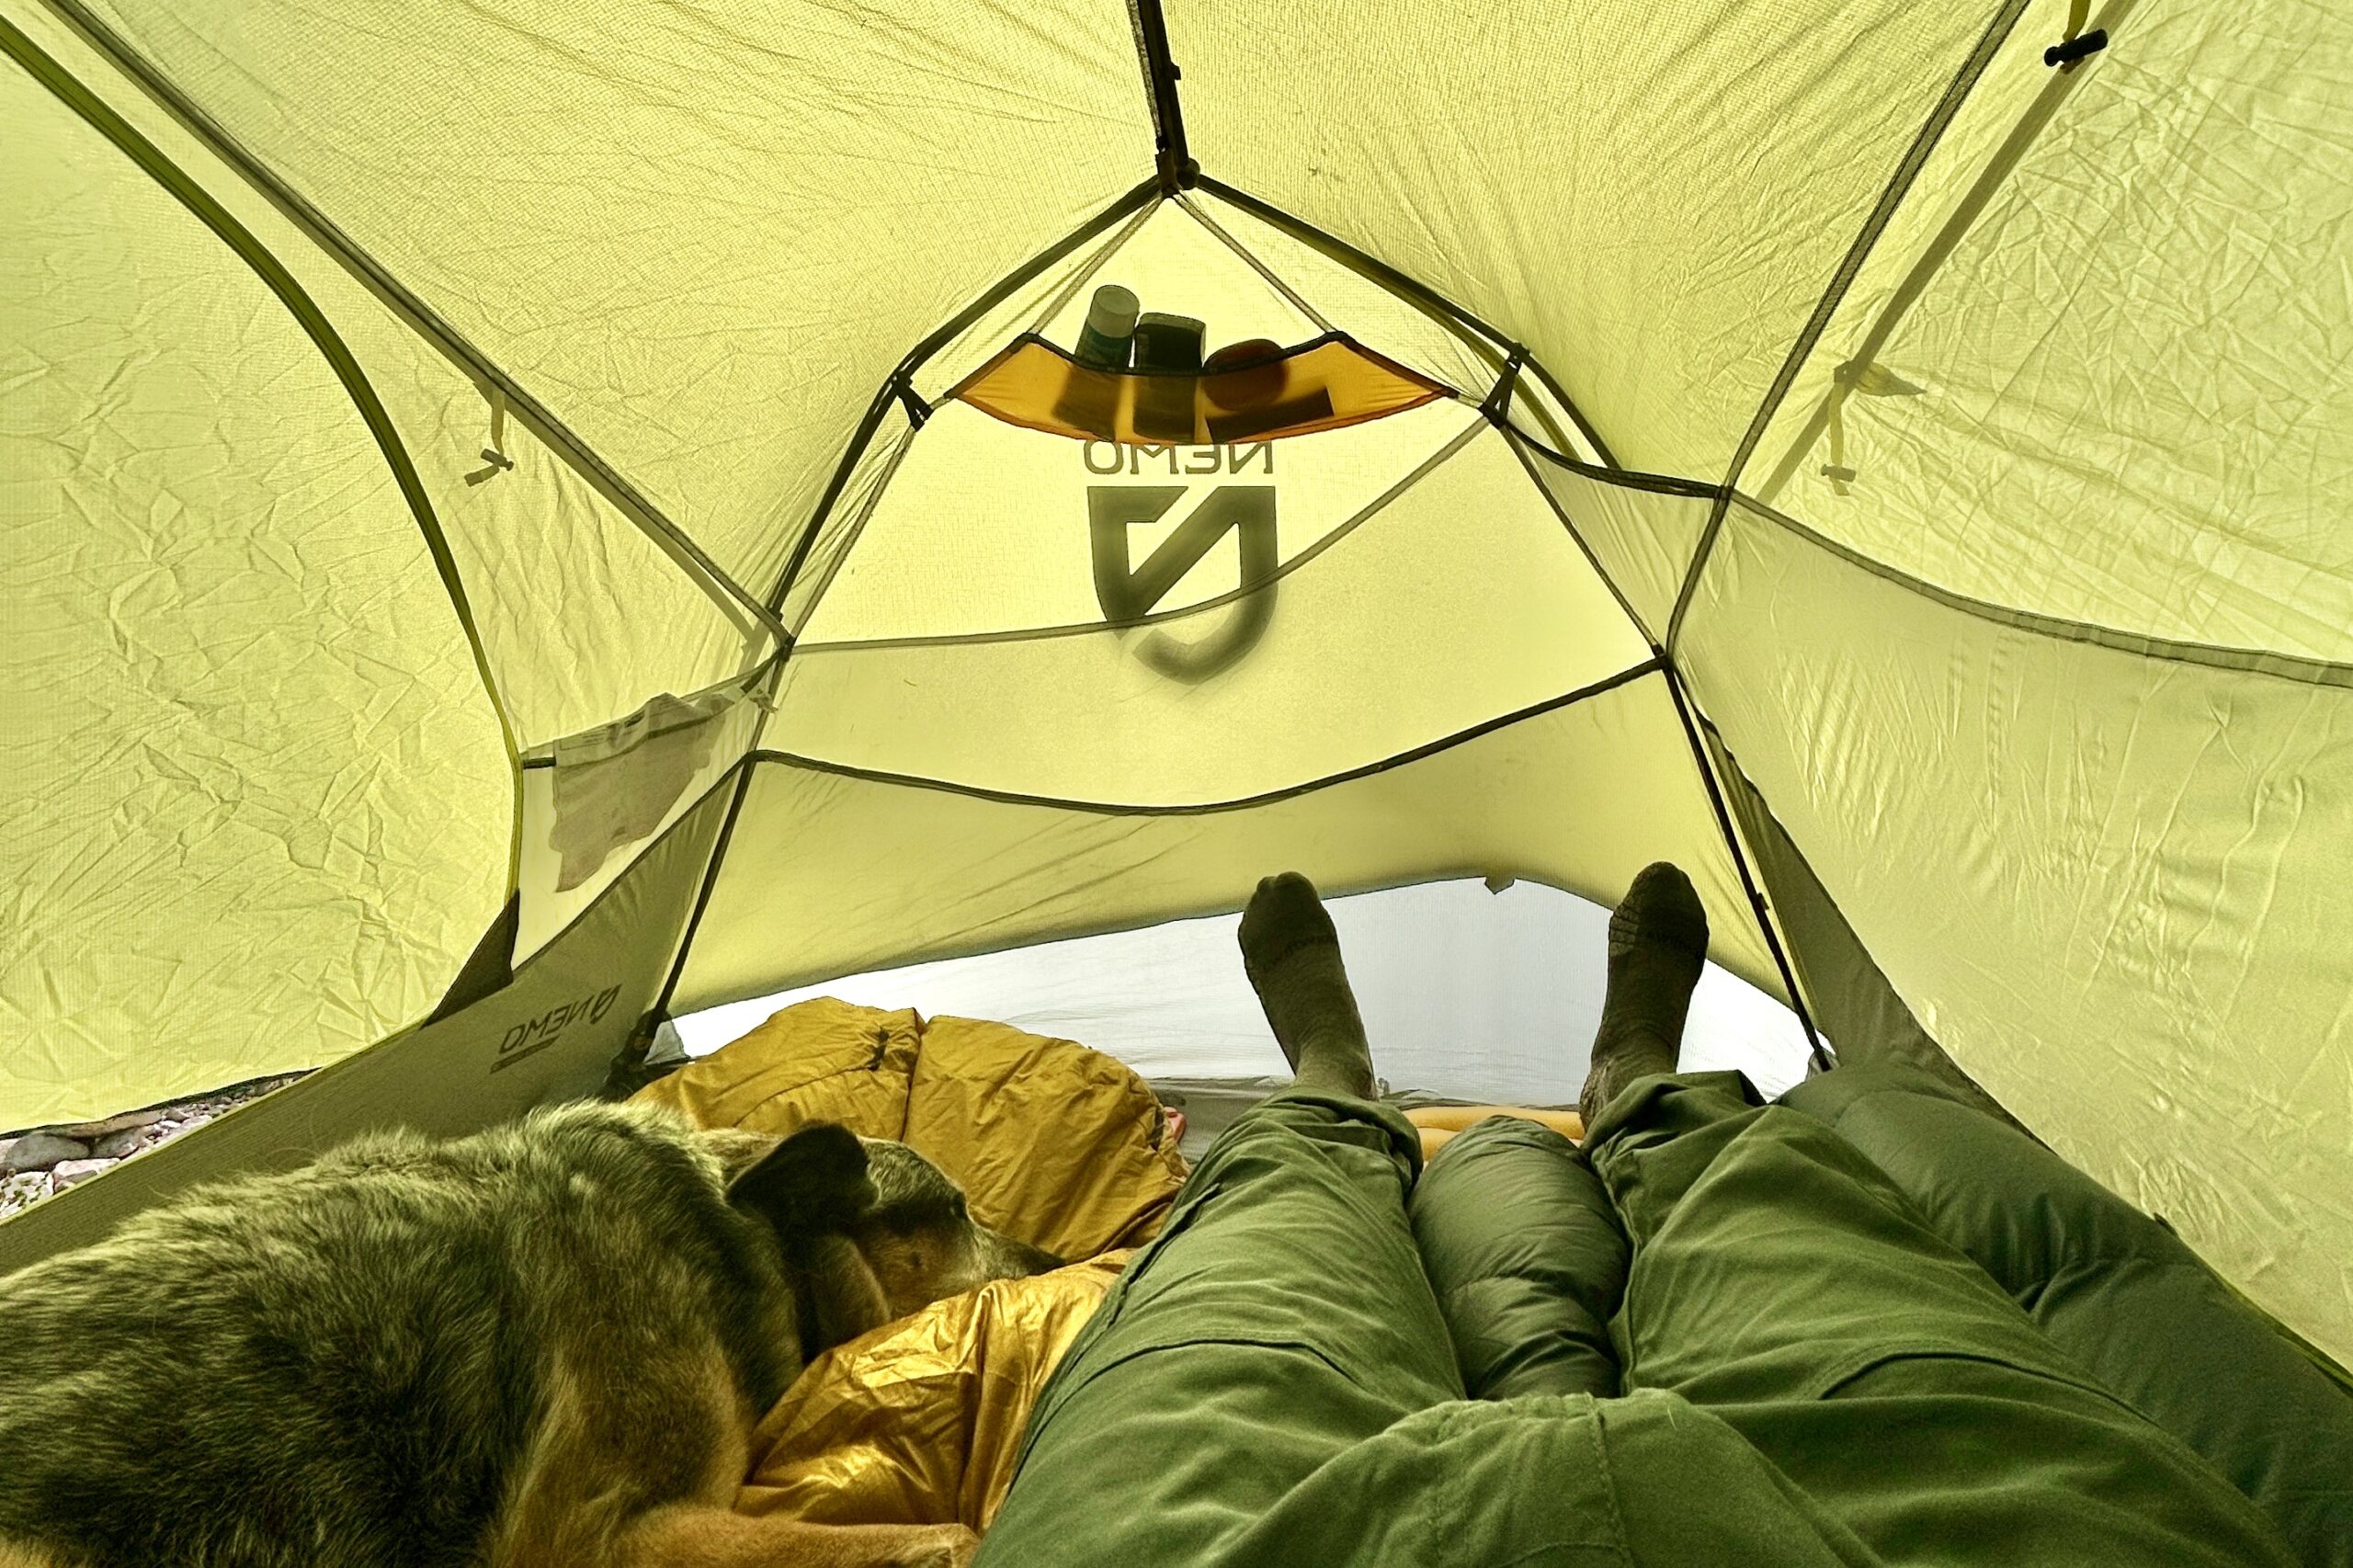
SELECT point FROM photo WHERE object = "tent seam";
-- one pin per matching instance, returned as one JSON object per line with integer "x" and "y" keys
{"x": 1729, "y": 771}
{"x": 1412, "y": 290}
{"x": 1079, "y": 279}
{"x": 1513, "y": 439}
{"x": 858, "y": 527}
{"x": 1218, "y": 230}
{"x": 868, "y": 424}
{"x": 1757, "y": 904}
{"x": 2246, "y": 661}
{"x": 1624, "y": 478}
{"x": 1626, "y": 677}
{"x": 1891, "y": 195}
{"x": 901, "y": 375}
{"x": 741, "y": 768}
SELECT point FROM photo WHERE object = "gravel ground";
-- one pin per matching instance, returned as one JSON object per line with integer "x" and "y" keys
{"x": 44, "y": 1160}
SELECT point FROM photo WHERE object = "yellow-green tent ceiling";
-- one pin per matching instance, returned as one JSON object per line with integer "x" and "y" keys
{"x": 526, "y": 520}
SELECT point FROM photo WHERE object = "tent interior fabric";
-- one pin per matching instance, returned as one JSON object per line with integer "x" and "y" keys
{"x": 527, "y": 522}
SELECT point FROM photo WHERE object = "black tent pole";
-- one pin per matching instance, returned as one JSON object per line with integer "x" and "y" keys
{"x": 1178, "y": 170}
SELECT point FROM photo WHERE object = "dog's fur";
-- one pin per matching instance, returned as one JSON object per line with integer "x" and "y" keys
{"x": 544, "y": 1345}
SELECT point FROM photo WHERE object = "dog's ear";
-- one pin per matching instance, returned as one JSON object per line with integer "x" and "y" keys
{"x": 814, "y": 1182}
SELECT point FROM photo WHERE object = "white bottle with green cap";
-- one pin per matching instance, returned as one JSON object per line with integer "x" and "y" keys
{"x": 1109, "y": 334}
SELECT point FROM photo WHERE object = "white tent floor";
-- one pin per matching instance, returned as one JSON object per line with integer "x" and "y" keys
{"x": 1467, "y": 994}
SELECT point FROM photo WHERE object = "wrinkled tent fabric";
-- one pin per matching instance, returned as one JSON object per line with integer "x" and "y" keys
{"x": 449, "y": 453}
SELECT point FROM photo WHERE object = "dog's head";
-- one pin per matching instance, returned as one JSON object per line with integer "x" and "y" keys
{"x": 921, "y": 1239}
{"x": 871, "y": 1229}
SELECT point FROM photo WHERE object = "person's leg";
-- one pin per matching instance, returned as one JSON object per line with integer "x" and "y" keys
{"x": 1271, "y": 1381}
{"x": 1527, "y": 1259}
{"x": 1281, "y": 1317}
{"x": 2116, "y": 1292}
{"x": 1784, "y": 1284}
{"x": 1519, "y": 1239}
{"x": 1658, "y": 944}
{"x": 1292, "y": 954}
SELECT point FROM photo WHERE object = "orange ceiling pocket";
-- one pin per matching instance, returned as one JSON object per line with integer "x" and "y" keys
{"x": 1320, "y": 385}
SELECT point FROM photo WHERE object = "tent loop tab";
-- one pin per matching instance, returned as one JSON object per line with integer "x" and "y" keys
{"x": 1872, "y": 381}
{"x": 912, "y": 401}
{"x": 494, "y": 456}
{"x": 1496, "y": 406}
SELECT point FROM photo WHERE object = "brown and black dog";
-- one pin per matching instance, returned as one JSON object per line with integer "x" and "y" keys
{"x": 543, "y": 1346}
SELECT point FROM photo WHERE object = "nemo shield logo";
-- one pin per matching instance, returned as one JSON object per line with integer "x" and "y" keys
{"x": 1129, "y": 592}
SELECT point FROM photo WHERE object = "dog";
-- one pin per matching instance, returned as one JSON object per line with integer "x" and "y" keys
{"x": 543, "y": 1346}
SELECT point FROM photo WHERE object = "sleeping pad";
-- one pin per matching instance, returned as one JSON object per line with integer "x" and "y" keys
{"x": 1811, "y": 1375}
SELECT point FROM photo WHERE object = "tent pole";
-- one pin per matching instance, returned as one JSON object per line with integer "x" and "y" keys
{"x": 1820, "y": 1057}
{"x": 661, "y": 1008}
{"x": 1177, "y": 170}
{"x": 900, "y": 384}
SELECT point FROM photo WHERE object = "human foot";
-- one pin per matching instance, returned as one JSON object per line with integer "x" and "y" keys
{"x": 1292, "y": 954}
{"x": 1658, "y": 943}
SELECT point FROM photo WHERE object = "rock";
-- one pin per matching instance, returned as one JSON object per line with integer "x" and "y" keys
{"x": 115, "y": 1145}
{"x": 87, "y": 1130}
{"x": 65, "y": 1173}
{"x": 22, "y": 1191}
{"x": 40, "y": 1151}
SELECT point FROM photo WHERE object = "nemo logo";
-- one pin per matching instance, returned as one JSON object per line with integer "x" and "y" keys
{"x": 1130, "y": 592}
{"x": 534, "y": 1035}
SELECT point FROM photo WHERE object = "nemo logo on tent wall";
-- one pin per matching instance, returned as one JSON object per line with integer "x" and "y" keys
{"x": 1125, "y": 457}
{"x": 534, "y": 1035}
{"x": 1129, "y": 592}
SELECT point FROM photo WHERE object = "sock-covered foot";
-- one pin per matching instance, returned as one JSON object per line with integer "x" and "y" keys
{"x": 1292, "y": 956}
{"x": 1659, "y": 942}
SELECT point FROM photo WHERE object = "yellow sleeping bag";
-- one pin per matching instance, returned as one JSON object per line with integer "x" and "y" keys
{"x": 918, "y": 1422}
{"x": 1063, "y": 1147}
{"x": 1054, "y": 1144}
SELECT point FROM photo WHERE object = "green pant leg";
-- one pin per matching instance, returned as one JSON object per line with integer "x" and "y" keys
{"x": 1781, "y": 1282}
{"x": 1527, "y": 1259}
{"x": 1280, "y": 1317}
{"x": 2117, "y": 1292}
{"x": 1642, "y": 1481}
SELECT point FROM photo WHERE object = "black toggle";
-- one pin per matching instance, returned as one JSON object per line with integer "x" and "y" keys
{"x": 2074, "y": 48}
